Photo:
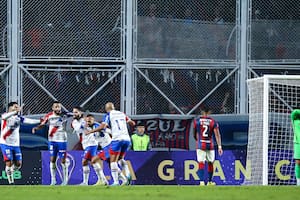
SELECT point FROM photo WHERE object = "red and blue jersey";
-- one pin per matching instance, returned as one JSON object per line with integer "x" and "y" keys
{"x": 204, "y": 127}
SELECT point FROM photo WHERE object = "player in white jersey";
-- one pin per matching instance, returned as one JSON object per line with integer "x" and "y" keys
{"x": 89, "y": 145}
{"x": 104, "y": 140}
{"x": 117, "y": 121}
{"x": 57, "y": 137}
{"x": 10, "y": 139}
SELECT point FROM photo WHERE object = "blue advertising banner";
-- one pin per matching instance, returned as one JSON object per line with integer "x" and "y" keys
{"x": 158, "y": 167}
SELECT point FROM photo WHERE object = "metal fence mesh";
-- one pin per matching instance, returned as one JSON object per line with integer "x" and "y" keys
{"x": 184, "y": 88}
{"x": 185, "y": 29}
{"x": 3, "y": 29}
{"x": 3, "y": 88}
{"x": 72, "y": 88}
{"x": 275, "y": 27}
{"x": 80, "y": 29}
{"x": 176, "y": 31}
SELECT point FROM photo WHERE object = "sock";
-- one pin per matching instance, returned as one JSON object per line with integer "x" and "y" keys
{"x": 65, "y": 173}
{"x": 16, "y": 168}
{"x": 86, "y": 174}
{"x": 297, "y": 173}
{"x": 210, "y": 170}
{"x": 9, "y": 174}
{"x": 124, "y": 166}
{"x": 99, "y": 172}
{"x": 53, "y": 172}
{"x": 200, "y": 171}
{"x": 114, "y": 172}
{"x": 121, "y": 176}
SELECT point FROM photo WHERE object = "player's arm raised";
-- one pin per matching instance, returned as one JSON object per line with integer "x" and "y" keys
{"x": 26, "y": 120}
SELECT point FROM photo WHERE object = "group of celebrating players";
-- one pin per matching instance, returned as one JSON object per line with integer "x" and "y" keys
{"x": 111, "y": 135}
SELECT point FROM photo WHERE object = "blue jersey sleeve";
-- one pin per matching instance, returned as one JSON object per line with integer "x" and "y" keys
{"x": 106, "y": 119}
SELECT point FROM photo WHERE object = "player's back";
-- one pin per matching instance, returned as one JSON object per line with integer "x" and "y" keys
{"x": 118, "y": 125}
{"x": 205, "y": 127}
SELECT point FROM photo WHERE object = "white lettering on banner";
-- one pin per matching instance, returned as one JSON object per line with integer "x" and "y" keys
{"x": 165, "y": 125}
{"x": 151, "y": 125}
{"x": 169, "y": 132}
{"x": 166, "y": 170}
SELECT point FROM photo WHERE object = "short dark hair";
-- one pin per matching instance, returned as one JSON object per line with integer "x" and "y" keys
{"x": 140, "y": 123}
{"x": 10, "y": 104}
{"x": 206, "y": 109}
{"x": 79, "y": 108}
{"x": 55, "y": 102}
{"x": 90, "y": 115}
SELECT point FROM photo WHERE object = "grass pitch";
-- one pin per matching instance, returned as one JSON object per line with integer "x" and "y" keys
{"x": 157, "y": 192}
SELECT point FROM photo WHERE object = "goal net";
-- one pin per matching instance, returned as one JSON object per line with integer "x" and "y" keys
{"x": 270, "y": 138}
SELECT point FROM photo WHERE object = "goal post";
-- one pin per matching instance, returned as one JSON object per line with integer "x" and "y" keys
{"x": 270, "y": 137}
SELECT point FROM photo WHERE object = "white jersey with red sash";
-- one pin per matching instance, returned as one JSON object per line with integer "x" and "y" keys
{"x": 10, "y": 127}
{"x": 86, "y": 140}
{"x": 57, "y": 124}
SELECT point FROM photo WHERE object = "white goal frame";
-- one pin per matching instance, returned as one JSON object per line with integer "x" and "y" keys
{"x": 265, "y": 117}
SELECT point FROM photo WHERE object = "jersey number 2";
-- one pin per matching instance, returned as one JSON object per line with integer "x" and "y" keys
{"x": 205, "y": 131}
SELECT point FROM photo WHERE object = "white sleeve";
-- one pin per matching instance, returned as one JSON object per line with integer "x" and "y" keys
{"x": 8, "y": 115}
{"x": 29, "y": 121}
{"x": 76, "y": 125}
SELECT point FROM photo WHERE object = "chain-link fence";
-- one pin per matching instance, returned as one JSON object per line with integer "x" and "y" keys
{"x": 3, "y": 29}
{"x": 73, "y": 86}
{"x": 164, "y": 31}
{"x": 3, "y": 87}
{"x": 185, "y": 30}
{"x": 72, "y": 29}
{"x": 275, "y": 27}
{"x": 184, "y": 89}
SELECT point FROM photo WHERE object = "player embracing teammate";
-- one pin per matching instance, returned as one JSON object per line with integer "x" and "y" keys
{"x": 117, "y": 121}
{"x": 89, "y": 144}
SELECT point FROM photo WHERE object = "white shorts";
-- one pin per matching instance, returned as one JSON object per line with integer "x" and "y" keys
{"x": 203, "y": 155}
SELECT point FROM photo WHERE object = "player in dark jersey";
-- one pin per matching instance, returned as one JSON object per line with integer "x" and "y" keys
{"x": 204, "y": 128}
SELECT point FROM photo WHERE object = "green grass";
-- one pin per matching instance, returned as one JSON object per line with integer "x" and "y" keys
{"x": 158, "y": 192}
